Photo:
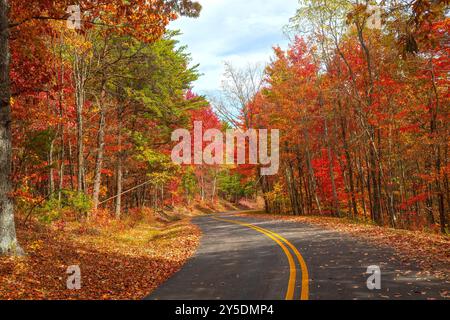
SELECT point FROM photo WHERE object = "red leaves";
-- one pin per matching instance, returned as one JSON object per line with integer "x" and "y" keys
{"x": 111, "y": 268}
{"x": 413, "y": 200}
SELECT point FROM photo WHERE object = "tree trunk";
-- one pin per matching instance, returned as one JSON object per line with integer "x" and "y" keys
{"x": 71, "y": 167}
{"x": 51, "y": 171}
{"x": 312, "y": 174}
{"x": 437, "y": 152}
{"x": 119, "y": 165}
{"x": 295, "y": 203}
{"x": 79, "y": 79}
{"x": 349, "y": 164}
{"x": 264, "y": 190}
{"x": 61, "y": 125}
{"x": 100, "y": 149}
{"x": 8, "y": 239}
{"x": 214, "y": 187}
{"x": 331, "y": 170}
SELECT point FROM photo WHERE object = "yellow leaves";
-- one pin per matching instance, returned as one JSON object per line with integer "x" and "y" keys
{"x": 35, "y": 246}
{"x": 80, "y": 44}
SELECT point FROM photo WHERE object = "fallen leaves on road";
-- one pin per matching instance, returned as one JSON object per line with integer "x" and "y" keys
{"x": 431, "y": 252}
{"x": 115, "y": 262}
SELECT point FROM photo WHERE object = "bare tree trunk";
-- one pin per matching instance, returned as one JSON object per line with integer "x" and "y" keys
{"x": 71, "y": 165}
{"x": 51, "y": 171}
{"x": 79, "y": 78}
{"x": 293, "y": 195}
{"x": 100, "y": 149}
{"x": 214, "y": 187}
{"x": 311, "y": 173}
{"x": 61, "y": 125}
{"x": 61, "y": 173}
{"x": 202, "y": 187}
{"x": 302, "y": 201}
{"x": 306, "y": 200}
{"x": 8, "y": 239}
{"x": 331, "y": 170}
{"x": 349, "y": 163}
{"x": 446, "y": 183}
{"x": 119, "y": 189}
{"x": 119, "y": 165}
{"x": 264, "y": 189}
{"x": 437, "y": 152}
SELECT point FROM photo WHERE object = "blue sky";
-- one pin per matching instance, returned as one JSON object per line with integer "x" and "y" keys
{"x": 238, "y": 31}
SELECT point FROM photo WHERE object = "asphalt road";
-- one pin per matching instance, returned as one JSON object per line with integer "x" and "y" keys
{"x": 252, "y": 259}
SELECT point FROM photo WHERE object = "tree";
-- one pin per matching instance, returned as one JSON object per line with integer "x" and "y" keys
{"x": 365, "y": 127}
{"x": 8, "y": 240}
{"x": 139, "y": 18}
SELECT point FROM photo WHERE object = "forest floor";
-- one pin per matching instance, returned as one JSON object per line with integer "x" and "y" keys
{"x": 431, "y": 252}
{"x": 126, "y": 259}
{"x": 117, "y": 260}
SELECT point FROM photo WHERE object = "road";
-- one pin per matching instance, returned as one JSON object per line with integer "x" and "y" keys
{"x": 252, "y": 259}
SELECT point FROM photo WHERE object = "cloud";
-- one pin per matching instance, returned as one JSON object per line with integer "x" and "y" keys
{"x": 237, "y": 31}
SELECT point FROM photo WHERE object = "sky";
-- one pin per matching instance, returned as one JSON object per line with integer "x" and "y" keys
{"x": 236, "y": 31}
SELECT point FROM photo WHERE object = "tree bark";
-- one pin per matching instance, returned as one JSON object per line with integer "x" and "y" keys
{"x": 436, "y": 146}
{"x": 61, "y": 125}
{"x": 119, "y": 164}
{"x": 331, "y": 170}
{"x": 52, "y": 170}
{"x": 100, "y": 150}
{"x": 8, "y": 240}
{"x": 79, "y": 79}
{"x": 312, "y": 174}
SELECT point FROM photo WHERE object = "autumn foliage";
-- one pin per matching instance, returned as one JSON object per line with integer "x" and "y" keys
{"x": 365, "y": 120}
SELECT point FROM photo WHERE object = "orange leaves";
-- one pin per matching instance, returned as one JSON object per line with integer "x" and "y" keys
{"x": 413, "y": 200}
{"x": 112, "y": 266}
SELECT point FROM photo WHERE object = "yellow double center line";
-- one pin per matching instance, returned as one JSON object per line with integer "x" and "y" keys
{"x": 282, "y": 242}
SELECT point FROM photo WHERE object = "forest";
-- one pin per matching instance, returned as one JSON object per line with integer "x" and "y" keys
{"x": 367, "y": 115}
{"x": 87, "y": 113}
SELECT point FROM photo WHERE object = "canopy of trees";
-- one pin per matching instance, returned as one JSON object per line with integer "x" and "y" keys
{"x": 364, "y": 113}
{"x": 86, "y": 115}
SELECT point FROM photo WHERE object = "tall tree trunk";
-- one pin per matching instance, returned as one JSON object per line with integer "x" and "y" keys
{"x": 51, "y": 171}
{"x": 293, "y": 194}
{"x": 8, "y": 239}
{"x": 214, "y": 187}
{"x": 302, "y": 201}
{"x": 311, "y": 173}
{"x": 100, "y": 150}
{"x": 349, "y": 163}
{"x": 61, "y": 171}
{"x": 331, "y": 170}
{"x": 79, "y": 78}
{"x": 264, "y": 189}
{"x": 119, "y": 163}
{"x": 71, "y": 165}
{"x": 437, "y": 151}
{"x": 119, "y": 189}
{"x": 61, "y": 124}
{"x": 374, "y": 166}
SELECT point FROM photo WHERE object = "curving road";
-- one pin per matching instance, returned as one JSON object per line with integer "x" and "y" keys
{"x": 252, "y": 259}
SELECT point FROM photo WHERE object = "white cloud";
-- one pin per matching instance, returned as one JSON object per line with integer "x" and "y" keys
{"x": 233, "y": 30}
